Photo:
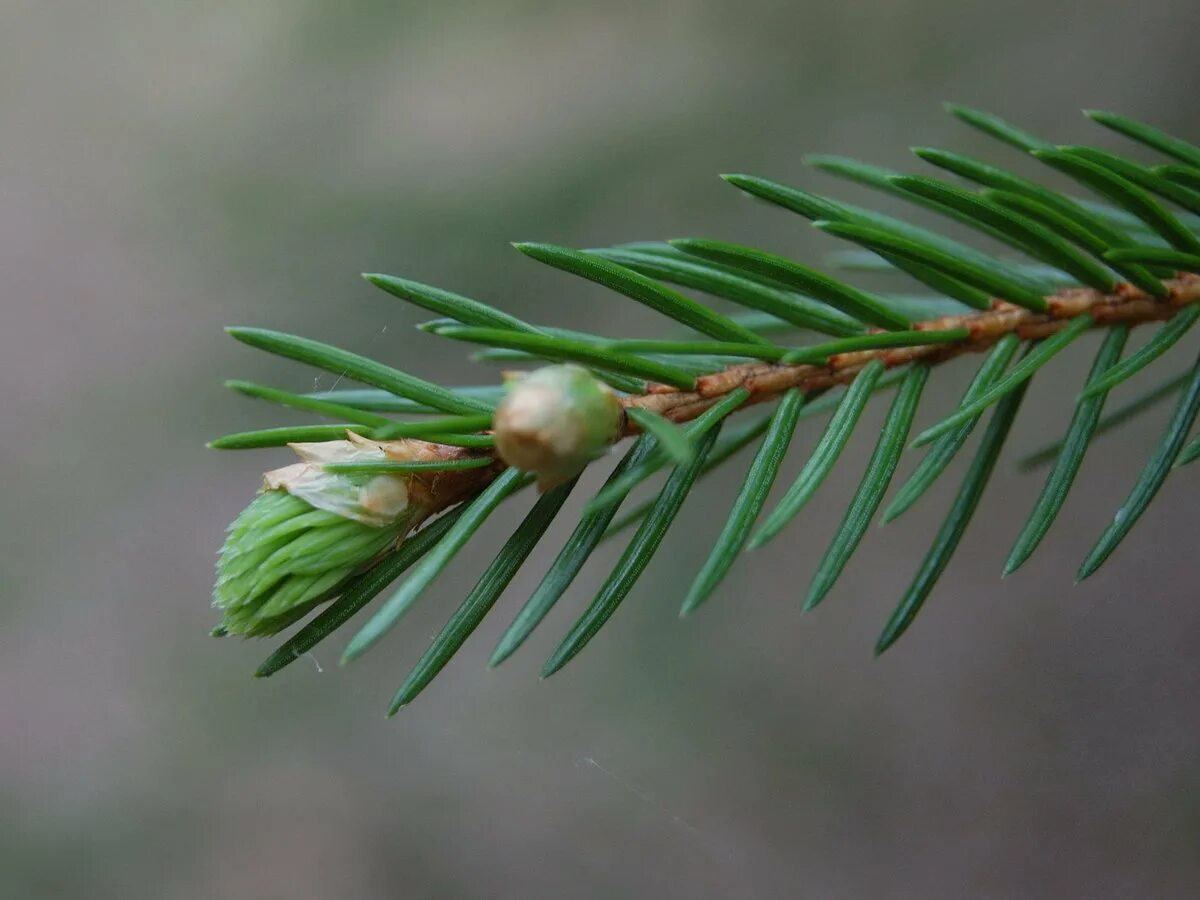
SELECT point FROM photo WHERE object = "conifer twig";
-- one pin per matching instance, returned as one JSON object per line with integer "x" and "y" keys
{"x": 765, "y": 381}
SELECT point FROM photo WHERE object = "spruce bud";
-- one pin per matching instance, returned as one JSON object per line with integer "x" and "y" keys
{"x": 309, "y": 529}
{"x": 556, "y": 420}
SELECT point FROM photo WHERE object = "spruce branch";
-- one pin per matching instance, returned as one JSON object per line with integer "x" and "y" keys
{"x": 375, "y": 497}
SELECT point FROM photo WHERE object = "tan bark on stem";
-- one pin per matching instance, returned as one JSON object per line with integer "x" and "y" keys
{"x": 767, "y": 380}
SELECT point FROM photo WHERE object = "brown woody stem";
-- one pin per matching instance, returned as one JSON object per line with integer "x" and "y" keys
{"x": 765, "y": 381}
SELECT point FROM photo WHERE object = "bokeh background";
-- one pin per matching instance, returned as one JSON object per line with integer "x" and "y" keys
{"x": 170, "y": 168}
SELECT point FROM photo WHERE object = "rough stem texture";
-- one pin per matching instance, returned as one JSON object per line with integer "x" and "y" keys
{"x": 765, "y": 381}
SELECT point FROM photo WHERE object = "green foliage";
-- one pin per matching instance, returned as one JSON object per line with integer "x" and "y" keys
{"x": 996, "y": 127}
{"x": 485, "y": 593}
{"x": 1115, "y": 419}
{"x": 1063, "y": 215}
{"x": 819, "y": 354}
{"x": 1189, "y": 454}
{"x": 1070, "y": 456}
{"x": 1143, "y": 176}
{"x": 1125, "y": 194}
{"x": 642, "y": 289}
{"x": 1156, "y": 256}
{"x": 827, "y": 451}
{"x": 567, "y": 350}
{"x": 670, "y": 265}
{"x": 579, "y": 546}
{"x": 947, "y": 446}
{"x": 930, "y": 256}
{"x": 432, "y": 565}
{"x": 384, "y": 401}
{"x": 1040, "y": 354}
{"x": 875, "y": 482}
{"x": 1185, "y": 175}
{"x": 284, "y": 558}
{"x": 618, "y": 489}
{"x": 357, "y": 592}
{"x": 1163, "y": 340}
{"x": 391, "y": 466}
{"x": 674, "y": 441}
{"x": 1152, "y": 477}
{"x": 817, "y": 208}
{"x": 325, "y": 408}
{"x": 955, "y": 524}
{"x": 1011, "y": 228}
{"x": 281, "y": 437}
{"x": 633, "y": 561}
{"x": 750, "y": 500}
{"x": 351, "y": 365}
{"x": 849, "y": 300}
{"x": 1148, "y": 135}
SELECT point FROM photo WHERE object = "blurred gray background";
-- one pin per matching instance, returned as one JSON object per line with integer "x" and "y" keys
{"x": 171, "y": 168}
